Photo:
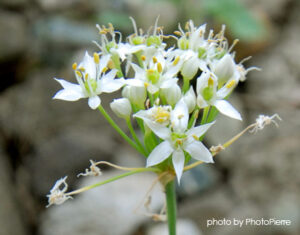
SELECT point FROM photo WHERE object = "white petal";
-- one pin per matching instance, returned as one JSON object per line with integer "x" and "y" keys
{"x": 103, "y": 62}
{"x": 169, "y": 83}
{"x": 68, "y": 85}
{"x": 160, "y": 130}
{"x": 178, "y": 162}
{"x": 199, "y": 130}
{"x": 68, "y": 95}
{"x": 152, "y": 89}
{"x": 89, "y": 65}
{"x": 180, "y": 116}
{"x": 135, "y": 82}
{"x": 227, "y": 109}
{"x": 94, "y": 102}
{"x": 197, "y": 150}
{"x": 160, "y": 153}
{"x": 109, "y": 86}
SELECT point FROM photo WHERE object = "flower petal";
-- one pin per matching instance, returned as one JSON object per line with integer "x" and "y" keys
{"x": 89, "y": 65}
{"x": 180, "y": 116}
{"x": 197, "y": 150}
{"x": 68, "y": 95}
{"x": 110, "y": 85}
{"x": 199, "y": 130}
{"x": 178, "y": 162}
{"x": 103, "y": 62}
{"x": 160, "y": 130}
{"x": 94, "y": 102}
{"x": 227, "y": 109}
{"x": 160, "y": 153}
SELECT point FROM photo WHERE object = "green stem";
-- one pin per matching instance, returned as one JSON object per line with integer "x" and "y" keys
{"x": 130, "y": 127}
{"x": 171, "y": 207}
{"x": 119, "y": 130}
{"x": 193, "y": 118}
{"x": 204, "y": 116}
{"x": 111, "y": 180}
{"x": 186, "y": 85}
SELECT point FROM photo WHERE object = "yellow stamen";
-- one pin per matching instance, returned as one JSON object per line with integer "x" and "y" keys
{"x": 74, "y": 66}
{"x": 230, "y": 84}
{"x": 143, "y": 58}
{"x": 104, "y": 69}
{"x": 86, "y": 76}
{"x": 82, "y": 69}
{"x": 195, "y": 137}
{"x": 149, "y": 71}
{"x": 210, "y": 82}
{"x": 175, "y": 62}
{"x": 178, "y": 33}
{"x": 96, "y": 58}
{"x": 154, "y": 59}
{"x": 78, "y": 74}
{"x": 146, "y": 84}
{"x": 159, "y": 67}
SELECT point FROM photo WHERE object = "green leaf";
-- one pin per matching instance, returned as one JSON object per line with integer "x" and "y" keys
{"x": 237, "y": 17}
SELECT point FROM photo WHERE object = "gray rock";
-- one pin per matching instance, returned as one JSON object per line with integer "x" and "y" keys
{"x": 14, "y": 37}
{"x": 183, "y": 227}
{"x": 13, "y": 3}
{"x": 50, "y": 5}
{"x": 11, "y": 221}
{"x": 63, "y": 31}
{"x": 107, "y": 210}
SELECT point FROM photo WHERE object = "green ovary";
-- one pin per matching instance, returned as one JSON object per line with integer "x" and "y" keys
{"x": 153, "y": 76}
{"x": 208, "y": 93}
{"x": 153, "y": 40}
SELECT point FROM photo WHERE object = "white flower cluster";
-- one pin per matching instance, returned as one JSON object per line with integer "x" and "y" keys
{"x": 157, "y": 88}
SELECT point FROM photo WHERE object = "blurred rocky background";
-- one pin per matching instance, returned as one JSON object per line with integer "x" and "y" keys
{"x": 42, "y": 140}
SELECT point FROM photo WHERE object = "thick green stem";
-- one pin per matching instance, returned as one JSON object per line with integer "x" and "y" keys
{"x": 171, "y": 207}
{"x": 119, "y": 130}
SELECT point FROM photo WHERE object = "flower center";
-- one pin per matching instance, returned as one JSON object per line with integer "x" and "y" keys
{"x": 153, "y": 76}
{"x": 161, "y": 115}
{"x": 208, "y": 91}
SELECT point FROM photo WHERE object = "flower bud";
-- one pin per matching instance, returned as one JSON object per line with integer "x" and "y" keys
{"x": 224, "y": 68}
{"x": 190, "y": 68}
{"x": 171, "y": 94}
{"x": 190, "y": 99}
{"x": 136, "y": 95}
{"x": 121, "y": 107}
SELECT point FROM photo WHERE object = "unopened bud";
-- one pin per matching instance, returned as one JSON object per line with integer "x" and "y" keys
{"x": 224, "y": 68}
{"x": 171, "y": 94}
{"x": 121, "y": 107}
{"x": 190, "y": 99}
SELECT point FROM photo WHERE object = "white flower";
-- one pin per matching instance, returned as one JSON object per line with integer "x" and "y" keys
{"x": 155, "y": 117}
{"x": 159, "y": 72}
{"x": 207, "y": 94}
{"x": 121, "y": 107}
{"x": 57, "y": 196}
{"x": 177, "y": 140}
{"x": 92, "y": 81}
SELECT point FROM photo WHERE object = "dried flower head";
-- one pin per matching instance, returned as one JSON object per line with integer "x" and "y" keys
{"x": 92, "y": 171}
{"x": 58, "y": 192}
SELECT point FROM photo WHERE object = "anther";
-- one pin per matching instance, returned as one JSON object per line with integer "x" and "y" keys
{"x": 74, "y": 66}
{"x": 154, "y": 59}
{"x": 96, "y": 58}
{"x": 143, "y": 58}
{"x": 159, "y": 67}
{"x": 210, "y": 82}
{"x": 175, "y": 62}
{"x": 178, "y": 33}
{"x": 230, "y": 84}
